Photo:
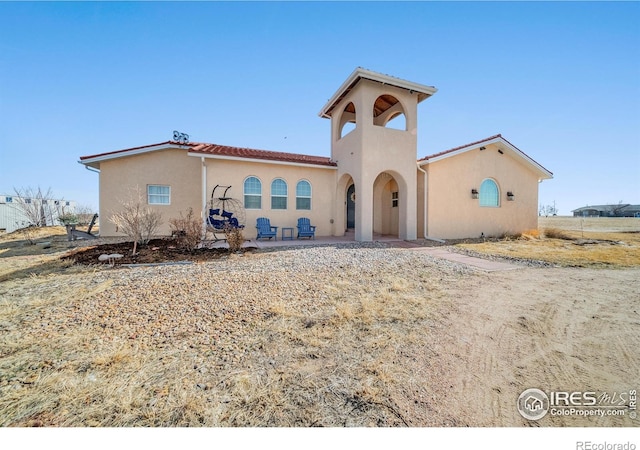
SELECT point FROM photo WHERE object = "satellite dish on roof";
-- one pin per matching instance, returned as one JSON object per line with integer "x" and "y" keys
{"x": 182, "y": 138}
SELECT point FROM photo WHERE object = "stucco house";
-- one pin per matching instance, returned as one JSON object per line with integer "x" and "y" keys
{"x": 619, "y": 210}
{"x": 373, "y": 182}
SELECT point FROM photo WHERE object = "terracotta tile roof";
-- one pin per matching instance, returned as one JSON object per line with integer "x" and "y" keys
{"x": 238, "y": 152}
{"x": 225, "y": 150}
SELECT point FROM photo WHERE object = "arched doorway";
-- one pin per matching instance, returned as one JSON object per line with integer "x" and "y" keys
{"x": 351, "y": 207}
{"x": 386, "y": 205}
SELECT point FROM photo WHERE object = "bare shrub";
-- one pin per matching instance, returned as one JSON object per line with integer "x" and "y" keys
{"x": 555, "y": 233}
{"x": 29, "y": 234}
{"x": 84, "y": 213}
{"x": 235, "y": 238}
{"x": 506, "y": 236}
{"x": 38, "y": 206}
{"x": 136, "y": 219}
{"x": 187, "y": 230}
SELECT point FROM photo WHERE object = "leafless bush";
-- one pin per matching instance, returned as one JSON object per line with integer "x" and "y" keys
{"x": 235, "y": 238}
{"x": 506, "y": 236}
{"x": 187, "y": 230}
{"x": 555, "y": 233}
{"x": 38, "y": 206}
{"x": 29, "y": 234}
{"x": 136, "y": 219}
{"x": 84, "y": 213}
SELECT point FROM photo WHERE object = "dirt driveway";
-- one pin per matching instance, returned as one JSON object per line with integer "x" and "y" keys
{"x": 556, "y": 329}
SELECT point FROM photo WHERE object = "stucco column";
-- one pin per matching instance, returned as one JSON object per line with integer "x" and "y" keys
{"x": 364, "y": 211}
{"x": 408, "y": 215}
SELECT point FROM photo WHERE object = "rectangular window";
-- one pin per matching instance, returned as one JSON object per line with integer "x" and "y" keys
{"x": 278, "y": 202}
{"x": 8, "y": 199}
{"x": 303, "y": 203}
{"x": 252, "y": 201}
{"x": 158, "y": 194}
{"x": 394, "y": 199}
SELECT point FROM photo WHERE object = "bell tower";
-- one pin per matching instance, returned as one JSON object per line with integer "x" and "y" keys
{"x": 374, "y": 142}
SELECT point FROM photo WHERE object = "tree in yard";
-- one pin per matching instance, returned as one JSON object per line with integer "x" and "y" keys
{"x": 37, "y": 206}
{"x": 136, "y": 219}
{"x": 547, "y": 210}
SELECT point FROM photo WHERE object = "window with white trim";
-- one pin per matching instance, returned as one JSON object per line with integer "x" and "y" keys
{"x": 303, "y": 195}
{"x": 252, "y": 193}
{"x": 278, "y": 194}
{"x": 489, "y": 193}
{"x": 158, "y": 194}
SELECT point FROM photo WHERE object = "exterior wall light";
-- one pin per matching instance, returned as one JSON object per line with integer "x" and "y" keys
{"x": 474, "y": 194}
{"x": 510, "y": 196}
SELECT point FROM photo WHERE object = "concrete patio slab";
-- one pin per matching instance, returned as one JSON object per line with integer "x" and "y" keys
{"x": 480, "y": 263}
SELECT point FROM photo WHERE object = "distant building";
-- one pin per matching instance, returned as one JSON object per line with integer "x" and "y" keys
{"x": 620, "y": 210}
{"x": 13, "y": 217}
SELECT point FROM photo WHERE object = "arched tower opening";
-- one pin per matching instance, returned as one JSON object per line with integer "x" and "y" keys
{"x": 388, "y": 112}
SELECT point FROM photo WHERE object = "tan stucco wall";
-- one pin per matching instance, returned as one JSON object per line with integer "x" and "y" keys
{"x": 166, "y": 167}
{"x": 322, "y": 180}
{"x": 453, "y": 214}
{"x": 184, "y": 174}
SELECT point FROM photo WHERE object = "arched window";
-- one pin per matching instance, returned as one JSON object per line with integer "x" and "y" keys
{"x": 303, "y": 195}
{"x": 489, "y": 194}
{"x": 252, "y": 193}
{"x": 278, "y": 194}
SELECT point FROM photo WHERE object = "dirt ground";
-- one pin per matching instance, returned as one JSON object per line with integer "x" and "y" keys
{"x": 555, "y": 329}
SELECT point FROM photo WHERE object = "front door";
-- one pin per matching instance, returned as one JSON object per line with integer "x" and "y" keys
{"x": 351, "y": 206}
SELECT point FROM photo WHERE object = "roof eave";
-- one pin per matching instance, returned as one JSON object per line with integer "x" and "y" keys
{"x": 360, "y": 73}
{"x": 544, "y": 173}
{"x": 96, "y": 160}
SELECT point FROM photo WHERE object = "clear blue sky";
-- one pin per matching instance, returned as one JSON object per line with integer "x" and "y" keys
{"x": 561, "y": 81}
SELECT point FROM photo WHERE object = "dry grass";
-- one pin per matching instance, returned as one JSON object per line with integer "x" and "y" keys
{"x": 350, "y": 360}
{"x": 40, "y": 258}
{"x": 573, "y": 242}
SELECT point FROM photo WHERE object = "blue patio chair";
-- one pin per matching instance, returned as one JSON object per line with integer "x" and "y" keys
{"x": 265, "y": 230}
{"x": 305, "y": 229}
